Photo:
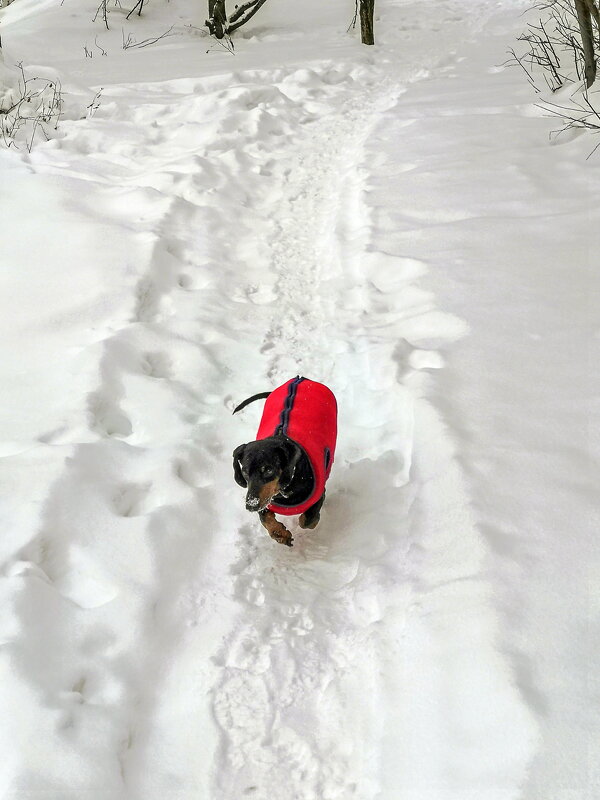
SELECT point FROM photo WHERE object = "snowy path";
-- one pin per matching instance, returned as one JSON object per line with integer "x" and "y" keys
{"x": 166, "y": 647}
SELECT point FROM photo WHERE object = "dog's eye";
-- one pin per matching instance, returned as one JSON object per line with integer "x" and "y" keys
{"x": 268, "y": 472}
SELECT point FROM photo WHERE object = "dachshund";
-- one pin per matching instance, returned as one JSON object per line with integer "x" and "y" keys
{"x": 285, "y": 469}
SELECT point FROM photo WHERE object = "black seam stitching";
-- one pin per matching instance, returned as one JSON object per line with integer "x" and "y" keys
{"x": 284, "y": 419}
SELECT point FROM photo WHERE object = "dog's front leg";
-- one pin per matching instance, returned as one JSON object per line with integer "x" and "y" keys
{"x": 275, "y": 529}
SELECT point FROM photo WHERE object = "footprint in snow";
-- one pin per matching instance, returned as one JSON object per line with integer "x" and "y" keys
{"x": 147, "y": 301}
{"x": 185, "y": 281}
{"x": 259, "y": 295}
{"x": 196, "y": 476}
{"x": 131, "y": 500}
{"x": 156, "y": 365}
{"x": 106, "y": 418}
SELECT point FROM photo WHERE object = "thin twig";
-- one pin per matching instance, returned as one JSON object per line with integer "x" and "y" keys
{"x": 139, "y": 3}
{"x": 130, "y": 42}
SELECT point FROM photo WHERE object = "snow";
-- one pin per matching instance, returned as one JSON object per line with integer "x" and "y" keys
{"x": 392, "y": 221}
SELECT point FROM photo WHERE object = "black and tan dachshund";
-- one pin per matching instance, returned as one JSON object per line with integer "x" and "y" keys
{"x": 285, "y": 469}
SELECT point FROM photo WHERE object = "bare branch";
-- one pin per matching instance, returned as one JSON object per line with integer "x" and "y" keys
{"x": 130, "y": 43}
{"x": 140, "y": 5}
{"x": 244, "y": 13}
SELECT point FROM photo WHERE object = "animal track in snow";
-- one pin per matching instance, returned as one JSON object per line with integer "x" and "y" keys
{"x": 107, "y": 418}
{"x": 260, "y": 295}
{"x": 131, "y": 500}
{"x": 185, "y": 281}
{"x": 194, "y": 475}
{"x": 147, "y": 301}
{"x": 156, "y": 365}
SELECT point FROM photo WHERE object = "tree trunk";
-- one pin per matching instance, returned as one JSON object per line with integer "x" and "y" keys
{"x": 217, "y": 18}
{"x": 220, "y": 25}
{"x": 367, "y": 8}
{"x": 591, "y": 4}
{"x": 584, "y": 19}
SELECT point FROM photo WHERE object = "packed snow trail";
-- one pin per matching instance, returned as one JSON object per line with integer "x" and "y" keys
{"x": 160, "y": 645}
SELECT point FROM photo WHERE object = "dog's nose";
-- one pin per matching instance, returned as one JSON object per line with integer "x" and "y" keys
{"x": 252, "y": 503}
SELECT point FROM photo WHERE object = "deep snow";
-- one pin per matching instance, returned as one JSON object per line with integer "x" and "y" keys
{"x": 393, "y": 222}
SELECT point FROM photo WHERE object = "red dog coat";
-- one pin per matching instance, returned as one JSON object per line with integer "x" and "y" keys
{"x": 306, "y": 412}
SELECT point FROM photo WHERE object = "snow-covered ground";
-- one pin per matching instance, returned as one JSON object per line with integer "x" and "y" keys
{"x": 392, "y": 221}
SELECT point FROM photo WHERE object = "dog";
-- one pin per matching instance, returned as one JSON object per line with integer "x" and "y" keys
{"x": 285, "y": 469}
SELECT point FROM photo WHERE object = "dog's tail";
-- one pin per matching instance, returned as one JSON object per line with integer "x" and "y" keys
{"x": 260, "y": 396}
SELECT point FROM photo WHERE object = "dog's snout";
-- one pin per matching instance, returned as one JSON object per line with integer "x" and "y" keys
{"x": 252, "y": 503}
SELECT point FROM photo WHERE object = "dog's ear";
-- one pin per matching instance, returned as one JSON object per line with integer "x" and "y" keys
{"x": 237, "y": 469}
{"x": 291, "y": 455}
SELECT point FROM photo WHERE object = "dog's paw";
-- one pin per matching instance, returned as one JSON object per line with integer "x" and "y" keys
{"x": 283, "y": 536}
{"x": 286, "y": 540}
{"x": 311, "y": 526}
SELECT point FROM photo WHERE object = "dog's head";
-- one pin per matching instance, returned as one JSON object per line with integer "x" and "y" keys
{"x": 266, "y": 468}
